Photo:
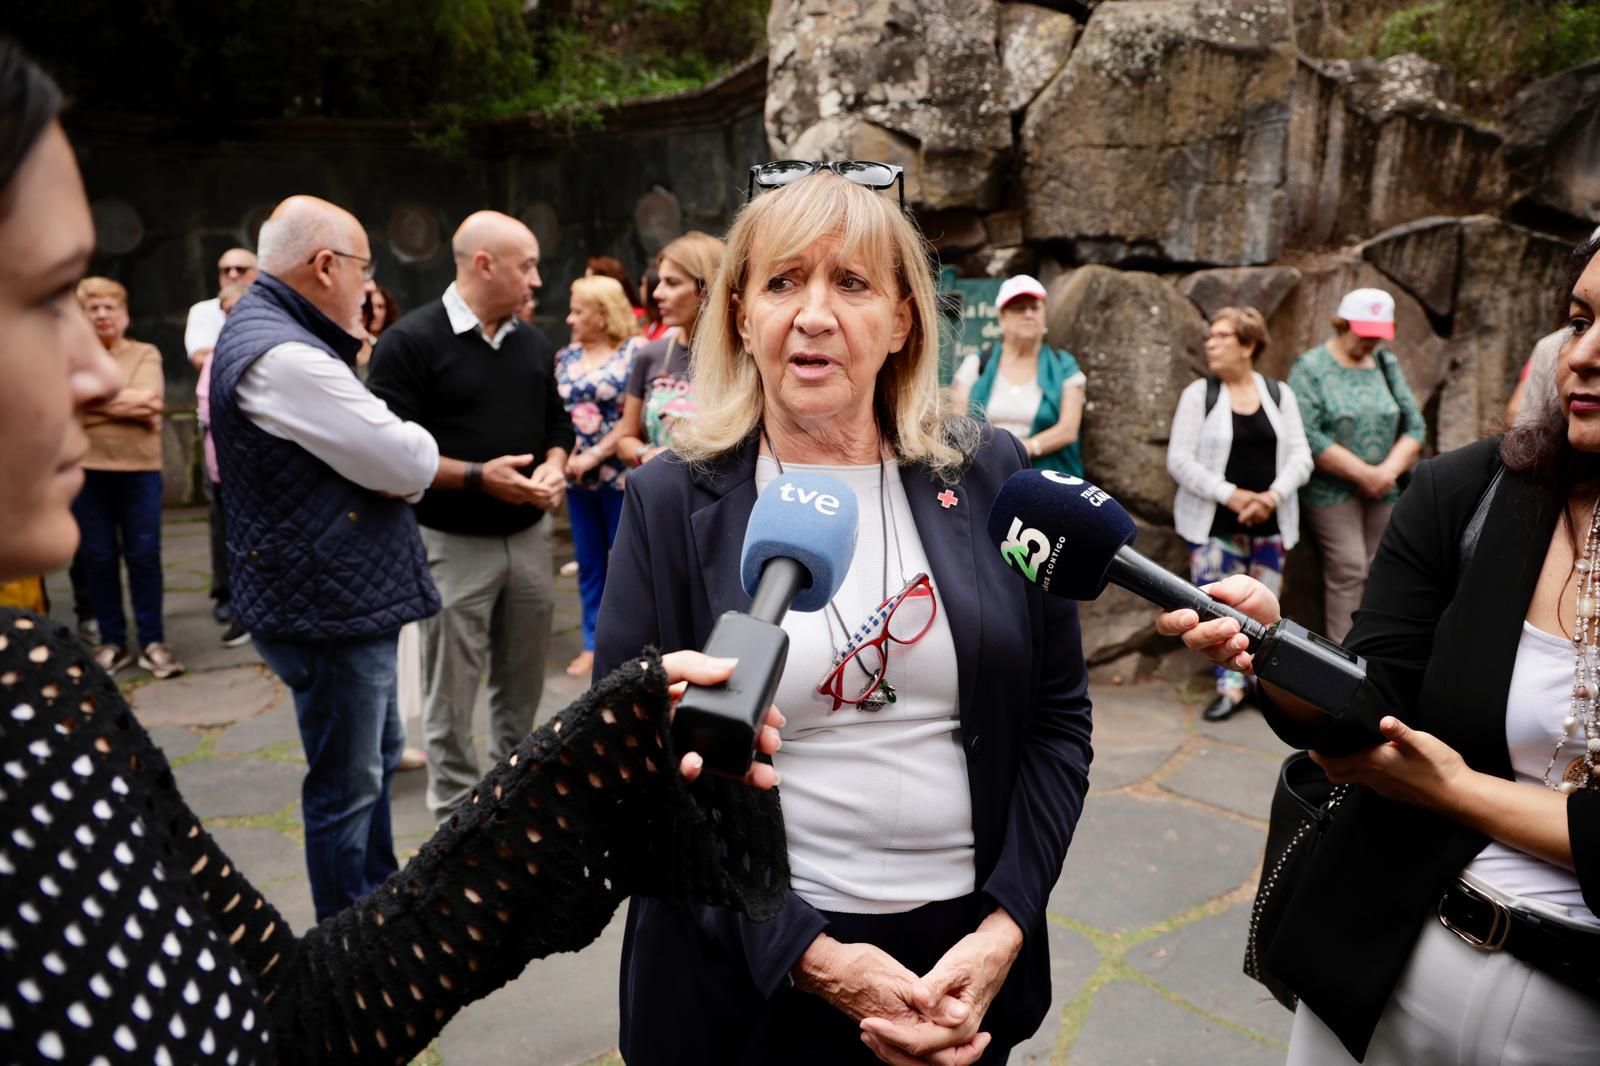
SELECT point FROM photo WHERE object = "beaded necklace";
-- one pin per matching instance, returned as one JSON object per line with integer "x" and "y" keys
{"x": 1584, "y": 771}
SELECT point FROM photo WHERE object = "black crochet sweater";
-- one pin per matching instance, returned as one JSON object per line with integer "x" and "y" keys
{"x": 126, "y": 935}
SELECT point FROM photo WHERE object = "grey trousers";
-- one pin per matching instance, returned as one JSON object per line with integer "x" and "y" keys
{"x": 497, "y": 598}
{"x": 1459, "y": 1006}
{"x": 1347, "y": 536}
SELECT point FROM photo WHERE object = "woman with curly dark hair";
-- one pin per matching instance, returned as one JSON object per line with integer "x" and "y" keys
{"x": 1451, "y": 911}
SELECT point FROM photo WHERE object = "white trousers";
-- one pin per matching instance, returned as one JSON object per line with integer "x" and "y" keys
{"x": 1458, "y": 1006}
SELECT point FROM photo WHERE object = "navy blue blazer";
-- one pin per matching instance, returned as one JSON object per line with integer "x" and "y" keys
{"x": 1024, "y": 711}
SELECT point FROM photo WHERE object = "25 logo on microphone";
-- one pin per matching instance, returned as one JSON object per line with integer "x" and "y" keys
{"x": 1025, "y": 549}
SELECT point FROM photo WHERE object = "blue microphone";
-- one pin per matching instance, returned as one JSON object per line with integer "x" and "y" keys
{"x": 797, "y": 550}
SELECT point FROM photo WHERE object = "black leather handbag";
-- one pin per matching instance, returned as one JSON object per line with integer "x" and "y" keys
{"x": 1303, "y": 807}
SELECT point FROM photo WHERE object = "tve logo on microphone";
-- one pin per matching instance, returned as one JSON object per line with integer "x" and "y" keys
{"x": 825, "y": 503}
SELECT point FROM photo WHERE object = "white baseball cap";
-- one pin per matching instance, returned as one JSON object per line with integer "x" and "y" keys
{"x": 1018, "y": 285}
{"x": 1370, "y": 313}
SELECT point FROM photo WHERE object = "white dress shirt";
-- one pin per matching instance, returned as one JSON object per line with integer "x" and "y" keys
{"x": 464, "y": 320}
{"x": 204, "y": 326}
{"x": 302, "y": 394}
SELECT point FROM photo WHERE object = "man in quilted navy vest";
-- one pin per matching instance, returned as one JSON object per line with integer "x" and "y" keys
{"x": 326, "y": 564}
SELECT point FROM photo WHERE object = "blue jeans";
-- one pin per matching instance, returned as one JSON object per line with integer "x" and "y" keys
{"x": 594, "y": 514}
{"x": 344, "y": 701}
{"x": 119, "y": 516}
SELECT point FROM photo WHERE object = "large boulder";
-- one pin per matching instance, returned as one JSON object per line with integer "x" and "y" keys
{"x": 1164, "y": 137}
{"x": 1034, "y": 45}
{"x": 1139, "y": 342}
{"x": 1263, "y": 288}
{"x": 1303, "y": 322}
{"x": 1423, "y": 257}
{"x": 1369, "y": 148}
{"x": 1117, "y": 622}
{"x": 1553, "y": 142}
{"x": 923, "y": 78}
{"x": 1511, "y": 291}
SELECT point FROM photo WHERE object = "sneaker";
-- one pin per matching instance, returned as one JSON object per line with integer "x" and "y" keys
{"x": 89, "y": 631}
{"x": 569, "y": 568}
{"x": 234, "y": 636}
{"x": 222, "y": 613}
{"x": 413, "y": 759}
{"x": 159, "y": 660}
{"x": 112, "y": 657}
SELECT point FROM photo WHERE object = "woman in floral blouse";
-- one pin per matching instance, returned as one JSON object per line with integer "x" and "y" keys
{"x": 592, "y": 375}
{"x": 1366, "y": 433}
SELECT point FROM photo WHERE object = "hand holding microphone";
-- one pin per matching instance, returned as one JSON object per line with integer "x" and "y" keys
{"x": 1071, "y": 539}
{"x": 797, "y": 550}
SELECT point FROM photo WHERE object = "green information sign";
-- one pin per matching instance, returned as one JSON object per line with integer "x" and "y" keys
{"x": 970, "y": 316}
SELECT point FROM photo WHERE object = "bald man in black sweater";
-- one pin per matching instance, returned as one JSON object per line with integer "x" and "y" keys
{"x": 483, "y": 384}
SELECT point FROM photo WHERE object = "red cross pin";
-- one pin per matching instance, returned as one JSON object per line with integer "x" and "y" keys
{"x": 947, "y": 499}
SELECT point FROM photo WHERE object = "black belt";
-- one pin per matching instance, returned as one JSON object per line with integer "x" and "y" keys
{"x": 1568, "y": 953}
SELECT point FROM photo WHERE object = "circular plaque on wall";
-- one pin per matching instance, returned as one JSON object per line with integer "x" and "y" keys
{"x": 415, "y": 235}
{"x": 118, "y": 229}
{"x": 540, "y": 216}
{"x": 658, "y": 218}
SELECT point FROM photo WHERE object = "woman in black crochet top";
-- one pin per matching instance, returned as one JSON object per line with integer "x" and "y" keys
{"x": 126, "y": 935}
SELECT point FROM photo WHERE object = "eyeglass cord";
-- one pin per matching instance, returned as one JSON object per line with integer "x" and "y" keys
{"x": 884, "y": 518}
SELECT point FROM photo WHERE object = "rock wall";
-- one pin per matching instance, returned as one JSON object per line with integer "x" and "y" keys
{"x": 1153, "y": 160}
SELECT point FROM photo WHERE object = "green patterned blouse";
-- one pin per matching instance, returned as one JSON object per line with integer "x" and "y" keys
{"x": 1354, "y": 408}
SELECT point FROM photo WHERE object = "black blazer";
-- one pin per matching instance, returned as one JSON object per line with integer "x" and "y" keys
{"x": 1024, "y": 709}
{"x": 1440, "y": 647}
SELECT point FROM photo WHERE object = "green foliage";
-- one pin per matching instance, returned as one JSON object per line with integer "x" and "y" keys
{"x": 455, "y": 60}
{"x": 595, "y": 53}
{"x": 1500, "y": 42}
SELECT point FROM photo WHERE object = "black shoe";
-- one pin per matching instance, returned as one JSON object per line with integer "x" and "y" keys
{"x": 1221, "y": 708}
{"x": 222, "y": 613}
{"x": 234, "y": 636}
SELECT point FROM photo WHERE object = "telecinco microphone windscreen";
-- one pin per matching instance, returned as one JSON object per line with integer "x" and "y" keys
{"x": 1059, "y": 531}
{"x": 810, "y": 518}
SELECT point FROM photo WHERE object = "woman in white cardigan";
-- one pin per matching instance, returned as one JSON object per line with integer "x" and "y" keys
{"x": 1238, "y": 453}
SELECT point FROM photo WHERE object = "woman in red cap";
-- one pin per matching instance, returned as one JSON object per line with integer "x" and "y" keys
{"x": 1366, "y": 433}
{"x": 1032, "y": 389}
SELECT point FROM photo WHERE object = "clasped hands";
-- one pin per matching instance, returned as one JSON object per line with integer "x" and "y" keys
{"x": 544, "y": 487}
{"x": 1409, "y": 766}
{"x": 906, "y": 1020}
{"x": 1253, "y": 508}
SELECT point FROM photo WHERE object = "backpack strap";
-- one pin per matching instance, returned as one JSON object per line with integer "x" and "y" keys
{"x": 1214, "y": 390}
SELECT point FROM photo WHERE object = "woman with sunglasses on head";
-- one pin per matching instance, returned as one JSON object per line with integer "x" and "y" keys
{"x": 127, "y": 934}
{"x": 660, "y": 390}
{"x": 937, "y": 748}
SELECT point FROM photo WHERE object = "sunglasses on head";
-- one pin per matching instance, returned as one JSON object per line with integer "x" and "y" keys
{"x": 781, "y": 172}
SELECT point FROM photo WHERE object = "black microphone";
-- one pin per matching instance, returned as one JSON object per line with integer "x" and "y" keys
{"x": 1071, "y": 539}
{"x": 797, "y": 550}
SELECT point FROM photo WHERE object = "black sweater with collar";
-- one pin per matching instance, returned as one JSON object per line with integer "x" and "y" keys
{"x": 478, "y": 402}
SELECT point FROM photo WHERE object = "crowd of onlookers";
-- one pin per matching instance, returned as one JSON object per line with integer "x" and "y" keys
{"x": 1251, "y": 456}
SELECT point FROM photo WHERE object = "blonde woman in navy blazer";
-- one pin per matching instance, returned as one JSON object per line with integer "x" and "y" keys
{"x": 823, "y": 350}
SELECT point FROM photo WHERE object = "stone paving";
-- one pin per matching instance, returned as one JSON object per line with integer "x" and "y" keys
{"x": 1146, "y": 924}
